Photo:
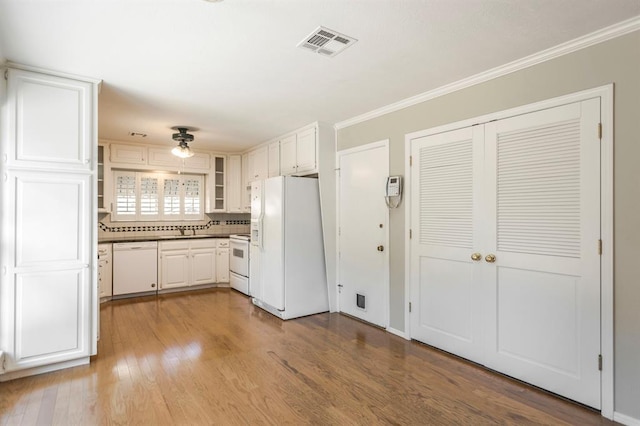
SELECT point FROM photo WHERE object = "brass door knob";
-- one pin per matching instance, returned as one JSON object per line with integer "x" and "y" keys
{"x": 476, "y": 256}
{"x": 380, "y": 248}
{"x": 490, "y": 258}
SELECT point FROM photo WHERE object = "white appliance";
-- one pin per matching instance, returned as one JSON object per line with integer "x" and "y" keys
{"x": 135, "y": 268}
{"x": 239, "y": 263}
{"x": 286, "y": 234}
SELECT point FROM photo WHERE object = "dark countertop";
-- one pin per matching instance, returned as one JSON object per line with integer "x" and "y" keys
{"x": 119, "y": 239}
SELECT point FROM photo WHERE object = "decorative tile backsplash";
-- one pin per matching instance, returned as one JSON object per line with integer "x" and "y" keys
{"x": 220, "y": 224}
{"x": 157, "y": 228}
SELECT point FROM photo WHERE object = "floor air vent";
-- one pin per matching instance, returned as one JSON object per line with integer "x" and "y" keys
{"x": 326, "y": 42}
{"x": 360, "y": 301}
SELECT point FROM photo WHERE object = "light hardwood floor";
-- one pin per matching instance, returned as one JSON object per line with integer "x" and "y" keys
{"x": 210, "y": 357}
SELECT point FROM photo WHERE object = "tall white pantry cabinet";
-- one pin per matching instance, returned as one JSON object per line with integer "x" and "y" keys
{"x": 48, "y": 262}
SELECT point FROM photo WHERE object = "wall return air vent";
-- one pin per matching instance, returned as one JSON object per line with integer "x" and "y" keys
{"x": 326, "y": 42}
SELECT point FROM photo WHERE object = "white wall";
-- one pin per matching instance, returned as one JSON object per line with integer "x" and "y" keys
{"x": 616, "y": 61}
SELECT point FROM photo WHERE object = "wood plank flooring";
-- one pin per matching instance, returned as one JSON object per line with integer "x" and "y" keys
{"x": 210, "y": 357}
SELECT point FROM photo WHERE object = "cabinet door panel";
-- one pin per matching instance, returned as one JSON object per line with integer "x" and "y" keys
{"x": 234, "y": 186}
{"x": 306, "y": 151}
{"x": 258, "y": 164}
{"x": 274, "y": 159}
{"x": 223, "y": 265}
{"x": 175, "y": 269}
{"x": 49, "y": 317}
{"x": 48, "y": 121}
{"x": 163, "y": 157}
{"x": 288, "y": 155}
{"x": 199, "y": 161}
{"x": 128, "y": 154}
{"x": 203, "y": 266}
{"x": 37, "y": 242}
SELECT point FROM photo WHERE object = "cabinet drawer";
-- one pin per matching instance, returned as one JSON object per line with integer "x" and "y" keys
{"x": 174, "y": 245}
{"x": 204, "y": 243}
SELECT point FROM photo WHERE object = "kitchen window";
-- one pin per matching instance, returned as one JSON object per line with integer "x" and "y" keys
{"x": 157, "y": 196}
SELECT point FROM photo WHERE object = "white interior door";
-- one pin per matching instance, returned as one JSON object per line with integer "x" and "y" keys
{"x": 363, "y": 220}
{"x": 543, "y": 311}
{"x": 447, "y": 282}
{"x": 505, "y": 266}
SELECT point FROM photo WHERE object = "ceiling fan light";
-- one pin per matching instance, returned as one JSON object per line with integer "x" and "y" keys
{"x": 182, "y": 137}
{"x": 182, "y": 150}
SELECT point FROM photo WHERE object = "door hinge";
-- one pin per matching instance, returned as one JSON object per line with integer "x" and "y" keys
{"x": 339, "y": 231}
{"x": 6, "y": 74}
{"x": 410, "y": 160}
{"x": 599, "y": 130}
{"x": 599, "y": 246}
{"x": 410, "y": 233}
{"x": 3, "y": 361}
{"x": 409, "y": 306}
{"x": 599, "y": 362}
{"x": 339, "y": 288}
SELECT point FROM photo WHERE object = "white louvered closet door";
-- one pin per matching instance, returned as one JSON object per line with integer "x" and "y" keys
{"x": 521, "y": 196}
{"x": 446, "y": 282}
{"x": 543, "y": 312}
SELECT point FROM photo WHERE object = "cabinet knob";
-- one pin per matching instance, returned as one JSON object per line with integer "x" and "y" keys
{"x": 490, "y": 258}
{"x": 380, "y": 248}
{"x": 153, "y": 285}
{"x": 476, "y": 256}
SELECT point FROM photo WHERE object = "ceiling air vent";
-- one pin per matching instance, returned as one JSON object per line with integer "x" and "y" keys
{"x": 326, "y": 42}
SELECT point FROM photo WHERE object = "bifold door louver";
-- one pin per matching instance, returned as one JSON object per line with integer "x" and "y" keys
{"x": 326, "y": 42}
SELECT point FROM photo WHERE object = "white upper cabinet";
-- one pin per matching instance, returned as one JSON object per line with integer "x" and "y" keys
{"x": 128, "y": 154}
{"x": 50, "y": 121}
{"x": 234, "y": 184}
{"x": 105, "y": 191}
{"x": 274, "y": 159}
{"x": 164, "y": 158}
{"x": 246, "y": 188}
{"x": 258, "y": 164}
{"x": 217, "y": 185}
{"x": 288, "y": 155}
{"x": 298, "y": 153}
{"x": 306, "y": 151}
{"x": 199, "y": 162}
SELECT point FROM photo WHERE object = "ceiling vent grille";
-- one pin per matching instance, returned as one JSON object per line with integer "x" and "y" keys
{"x": 326, "y": 42}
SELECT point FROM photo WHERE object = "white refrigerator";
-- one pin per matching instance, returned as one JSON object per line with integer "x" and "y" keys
{"x": 287, "y": 254}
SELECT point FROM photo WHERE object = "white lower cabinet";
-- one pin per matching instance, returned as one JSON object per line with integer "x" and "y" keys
{"x": 222, "y": 261}
{"x": 203, "y": 265}
{"x": 186, "y": 263}
{"x": 105, "y": 271}
{"x": 174, "y": 265}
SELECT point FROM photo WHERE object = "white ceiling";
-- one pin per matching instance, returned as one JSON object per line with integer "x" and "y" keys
{"x": 232, "y": 68}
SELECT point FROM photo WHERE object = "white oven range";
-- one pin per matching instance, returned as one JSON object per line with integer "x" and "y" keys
{"x": 239, "y": 263}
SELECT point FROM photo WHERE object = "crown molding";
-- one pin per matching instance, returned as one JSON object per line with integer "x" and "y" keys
{"x": 596, "y": 37}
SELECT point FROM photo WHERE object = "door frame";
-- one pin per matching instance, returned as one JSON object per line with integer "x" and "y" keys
{"x": 605, "y": 93}
{"x": 373, "y": 145}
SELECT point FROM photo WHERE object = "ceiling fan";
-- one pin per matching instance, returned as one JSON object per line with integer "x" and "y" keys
{"x": 182, "y": 137}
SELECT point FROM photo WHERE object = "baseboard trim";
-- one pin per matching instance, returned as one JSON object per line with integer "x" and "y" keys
{"x": 398, "y": 333}
{"x": 44, "y": 369}
{"x": 625, "y": 420}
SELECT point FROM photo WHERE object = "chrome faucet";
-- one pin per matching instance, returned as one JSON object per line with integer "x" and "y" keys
{"x": 181, "y": 229}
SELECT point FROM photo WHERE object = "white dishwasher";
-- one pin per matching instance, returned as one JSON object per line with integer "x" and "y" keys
{"x": 135, "y": 268}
